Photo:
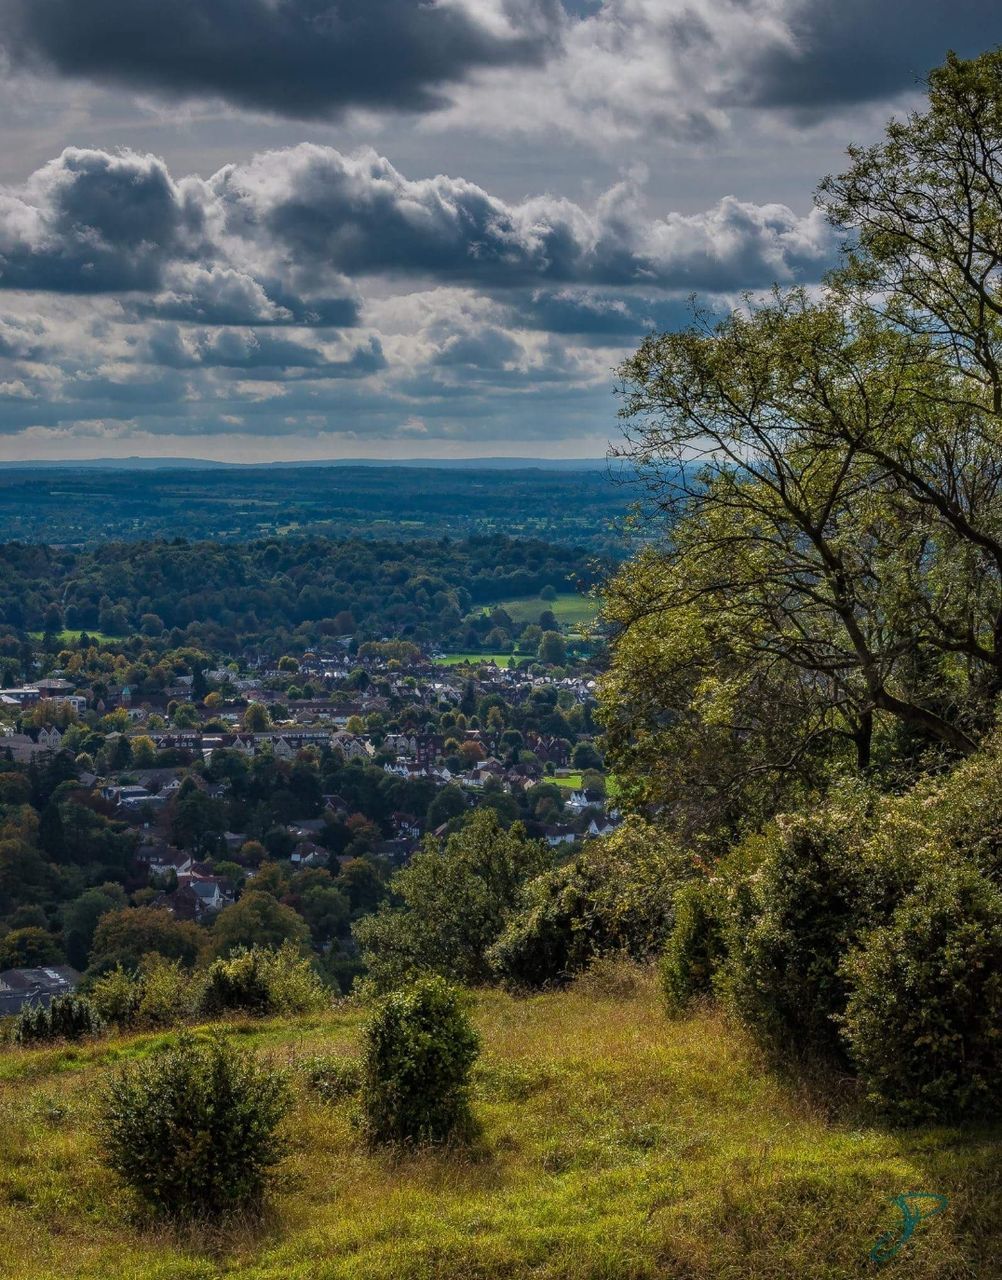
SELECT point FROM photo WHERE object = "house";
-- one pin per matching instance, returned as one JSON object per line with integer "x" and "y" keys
{"x": 557, "y": 835}
{"x": 602, "y": 827}
{"x": 308, "y": 854}
{"x": 406, "y": 826}
{"x": 22, "y": 987}
{"x": 161, "y": 859}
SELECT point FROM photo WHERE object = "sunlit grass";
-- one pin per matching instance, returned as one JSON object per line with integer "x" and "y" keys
{"x": 616, "y": 1146}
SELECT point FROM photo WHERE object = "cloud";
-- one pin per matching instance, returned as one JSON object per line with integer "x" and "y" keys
{"x": 675, "y": 72}
{"x": 847, "y": 51}
{"x": 358, "y": 215}
{"x": 90, "y": 222}
{"x": 299, "y": 58}
{"x": 231, "y": 348}
{"x": 280, "y": 239}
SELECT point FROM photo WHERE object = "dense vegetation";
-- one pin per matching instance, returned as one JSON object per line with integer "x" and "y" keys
{"x": 77, "y": 505}
{"x": 229, "y": 595}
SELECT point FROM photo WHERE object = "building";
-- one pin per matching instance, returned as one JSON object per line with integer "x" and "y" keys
{"x": 20, "y": 988}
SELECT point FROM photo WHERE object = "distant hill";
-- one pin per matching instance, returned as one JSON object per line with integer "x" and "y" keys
{"x": 202, "y": 464}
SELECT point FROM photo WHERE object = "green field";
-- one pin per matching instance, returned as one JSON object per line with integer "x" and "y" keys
{"x": 616, "y": 1146}
{"x": 569, "y": 608}
{"x": 501, "y": 659}
{"x": 71, "y": 637}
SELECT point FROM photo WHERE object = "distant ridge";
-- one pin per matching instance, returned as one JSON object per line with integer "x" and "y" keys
{"x": 204, "y": 464}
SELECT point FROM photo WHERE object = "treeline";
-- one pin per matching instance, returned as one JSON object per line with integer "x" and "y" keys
{"x": 221, "y": 595}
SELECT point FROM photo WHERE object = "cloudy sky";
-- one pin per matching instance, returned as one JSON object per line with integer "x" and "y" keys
{"x": 256, "y": 229}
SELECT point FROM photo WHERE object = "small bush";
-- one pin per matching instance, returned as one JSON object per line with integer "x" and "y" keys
{"x": 239, "y": 982}
{"x": 260, "y": 981}
{"x": 116, "y": 996}
{"x": 333, "y": 1077}
{"x": 924, "y": 1017}
{"x": 169, "y": 993}
{"x": 193, "y": 1129}
{"x": 695, "y": 946}
{"x": 65, "y": 1018}
{"x": 420, "y": 1047}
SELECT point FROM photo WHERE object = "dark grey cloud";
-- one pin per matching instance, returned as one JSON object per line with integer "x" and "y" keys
{"x": 91, "y": 222}
{"x": 272, "y": 241}
{"x": 846, "y": 51}
{"x": 301, "y": 58}
{"x": 247, "y": 349}
{"x": 358, "y": 215}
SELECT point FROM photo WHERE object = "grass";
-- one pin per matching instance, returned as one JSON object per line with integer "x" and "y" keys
{"x": 568, "y": 608}
{"x": 616, "y": 1146}
{"x": 71, "y": 637}
{"x": 472, "y": 657}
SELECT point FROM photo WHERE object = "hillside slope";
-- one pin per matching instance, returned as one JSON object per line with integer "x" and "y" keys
{"x": 616, "y": 1145}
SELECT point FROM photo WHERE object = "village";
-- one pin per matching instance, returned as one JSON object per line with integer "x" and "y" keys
{"x": 329, "y": 761}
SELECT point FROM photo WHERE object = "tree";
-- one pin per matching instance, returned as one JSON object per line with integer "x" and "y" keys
{"x": 256, "y": 718}
{"x": 125, "y": 936}
{"x": 28, "y": 948}
{"x": 830, "y": 472}
{"x": 452, "y": 905}
{"x": 585, "y": 757}
{"x": 258, "y": 920}
{"x": 552, "y": 648}
{"x": 81, "y": 917}
{"x": 144, "y": 752}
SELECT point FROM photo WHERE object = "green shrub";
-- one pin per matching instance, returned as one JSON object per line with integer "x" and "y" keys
{"x": 65, "y": 1018}
{"x": 237, "y": 983}
{"x": 695, "y": 947}
{"x": 924, "y": 1017}
{"x": 803, "y": 908}
{"x": 333, "y": 1077}
{"x": 193, "y": 1129}
{"x": 261, "y": 981}
{"x": 169, "y": 993}
{"x": 420, "y": 1047}
{"x": 615, "y": 895}
{"x": 116, "y": 996}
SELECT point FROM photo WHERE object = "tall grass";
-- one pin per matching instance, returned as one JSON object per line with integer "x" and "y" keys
{"x": 617, "y": 1146}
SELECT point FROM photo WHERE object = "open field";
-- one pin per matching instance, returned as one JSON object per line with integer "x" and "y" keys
{"x": 616, "y": 1146}
{"x": 501, "y": 659}
{"x": 71, "y": 637}
{"x": 568, "y": 608}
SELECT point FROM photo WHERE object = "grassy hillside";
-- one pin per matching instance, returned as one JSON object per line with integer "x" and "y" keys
{"x": 617, "y": 1146}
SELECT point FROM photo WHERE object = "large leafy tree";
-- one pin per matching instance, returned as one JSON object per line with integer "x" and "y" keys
{"x": 829, "y": 470}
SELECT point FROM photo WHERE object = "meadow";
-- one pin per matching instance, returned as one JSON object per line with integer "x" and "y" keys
{"x": 616, "y": 1145}
{"x": 569, "y": 608}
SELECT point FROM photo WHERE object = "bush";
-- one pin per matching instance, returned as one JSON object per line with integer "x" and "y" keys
{"x": 420, "y": 1047}
{"x": 192, "y": 1130}
{"x": 116, "y": 996}
{"x": 65, "y": 1018}
{"x": 695, "y": 947}
{"x": 614, "y": 896}
{"x": 237, "y": 983}
{"x": 333, "y": 1076}
{"x": 169, "y": 994}
{"x": 924, "y": 1017}
{"x": 802, "y": 909}
{"x": 262, "y": 982}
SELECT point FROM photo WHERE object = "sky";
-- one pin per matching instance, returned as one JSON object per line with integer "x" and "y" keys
{"x": 252, "y": 230}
